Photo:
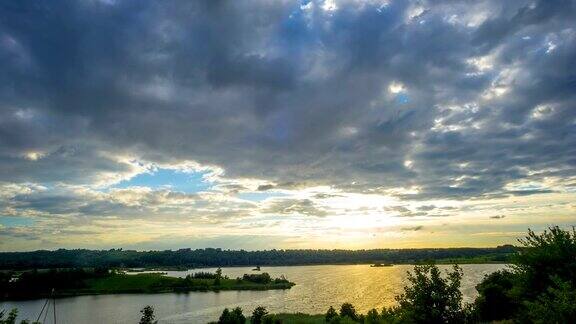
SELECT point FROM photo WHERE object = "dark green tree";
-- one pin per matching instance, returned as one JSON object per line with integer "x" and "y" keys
{"x": 225, "y": 317}
{"x": 330, "y": 314}
{"x": 258, "y": 314}
{"x": 348, "y": 310}
{"x": 232, "y": 317}
{"x": 218, "y": 277}
{"x": 495, "y": 300}
{"x": 537, "y": 289}
{"x": 556, "y": 306}
{"x": 148, "y": 316}
{"x": 430, "y": 298}
{"x": 545, "y": 256}
{"x": 372, "y": 317}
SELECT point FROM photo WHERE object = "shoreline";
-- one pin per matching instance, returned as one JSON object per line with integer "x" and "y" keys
{"x": 146, "y": 283}
{"x": 145, "y": 292}
{"x": 441, "y": 262}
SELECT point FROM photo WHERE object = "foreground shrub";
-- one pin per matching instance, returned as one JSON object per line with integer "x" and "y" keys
{"x": 330, "y": 314}
{"x": 540, "y": 288}
{"x": 232, "y": 317}
{"x": 556, "y": 306}
{"x": 431, "y": 298}
{"x": 258, "y": 314}
{"x": 495, "y": 300}
{"x": 348, "y": 310}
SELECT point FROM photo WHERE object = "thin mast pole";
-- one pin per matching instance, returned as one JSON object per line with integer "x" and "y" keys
{"x": 54, "y": 304}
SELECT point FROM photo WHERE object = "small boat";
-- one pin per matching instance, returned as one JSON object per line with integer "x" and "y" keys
{"x": 256, "y": 269}
{"x": 378, "y": 265}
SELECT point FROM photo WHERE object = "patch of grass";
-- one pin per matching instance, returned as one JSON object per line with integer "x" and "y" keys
{"x": 145, "y": 282}
{"x": 154, "y": 283}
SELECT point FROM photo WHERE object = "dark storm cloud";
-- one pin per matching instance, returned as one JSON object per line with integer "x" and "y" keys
{"x": 291, "y": 93}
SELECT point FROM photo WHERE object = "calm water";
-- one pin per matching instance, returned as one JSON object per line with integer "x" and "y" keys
{"x": 317, "y": 287}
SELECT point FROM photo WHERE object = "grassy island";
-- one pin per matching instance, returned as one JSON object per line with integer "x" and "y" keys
{"x": 75, "y": 282}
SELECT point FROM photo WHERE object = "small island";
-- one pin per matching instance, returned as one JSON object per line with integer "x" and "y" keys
{"x": 378, "y": 265}
{"x": 76, "y": 282}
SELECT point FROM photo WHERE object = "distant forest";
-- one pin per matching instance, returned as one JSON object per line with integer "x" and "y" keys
{"x": 212, "y": 257}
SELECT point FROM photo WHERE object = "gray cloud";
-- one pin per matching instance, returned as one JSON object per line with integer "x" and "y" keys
{"x": 295, "y": 96}
{"x": 412, "y": 228}
{"x": 294, "y": 206}
{"x": 402, "y": 211}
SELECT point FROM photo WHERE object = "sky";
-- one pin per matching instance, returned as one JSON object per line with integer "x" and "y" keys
{"x": 252, "y": 124}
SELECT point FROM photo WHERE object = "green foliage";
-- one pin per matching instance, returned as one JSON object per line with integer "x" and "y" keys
{"x": 331, "y": 314}
{"x": 272, "y": 319}
{"x": 148, "y": 315}
{"x": 372, "y": 317}
{"x": 551, "y": 254}
{"x": 218, "y": 278}
{"x": 232, "y": 317}
{"x": 495, "y": 300}
{"x": 388, "y": 315}
{"x": 11, "y": 318}
{"x": 556, "y": 306}
{"x": 202, "y": 275}
{"x": 431, "y": 298}
{"x": 348, "y": 310}
{"x": 258, "y": 314}
{"x": 263, "y": 278}
{"x": 540, "y": 288}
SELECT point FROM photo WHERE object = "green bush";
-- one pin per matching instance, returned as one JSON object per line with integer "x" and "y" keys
{"x": 495, "y": 300}
{"x": 232, "y": 317}
{"x": 431, "y": 298}
{"x": 541, "y": 284}
{"x": 348, "y": 310}
{"x": 330, "y": 314}
{"x": 556, "y": 306}
{"x": 258, "y": 314}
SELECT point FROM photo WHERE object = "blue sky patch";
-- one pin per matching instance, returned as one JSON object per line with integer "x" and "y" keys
{"x": 402, "y": 98}
{"x": 176, "y": 180}
{"x": 12, "y": 221}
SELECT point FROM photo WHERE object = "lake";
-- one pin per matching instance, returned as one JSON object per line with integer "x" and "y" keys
{"x": 317, "y": 288}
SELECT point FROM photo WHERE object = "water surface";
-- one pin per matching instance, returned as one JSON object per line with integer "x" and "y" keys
{"x": 317, "y": 288}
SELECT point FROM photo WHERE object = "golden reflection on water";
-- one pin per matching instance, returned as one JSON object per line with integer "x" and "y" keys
{"x": 319, "y": 287}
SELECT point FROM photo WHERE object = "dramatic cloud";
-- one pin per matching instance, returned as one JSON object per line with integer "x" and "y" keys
{"x": 430, "y": 105}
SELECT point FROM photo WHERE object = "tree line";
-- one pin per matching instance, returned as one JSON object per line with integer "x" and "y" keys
{"x": 213, "y": 257}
